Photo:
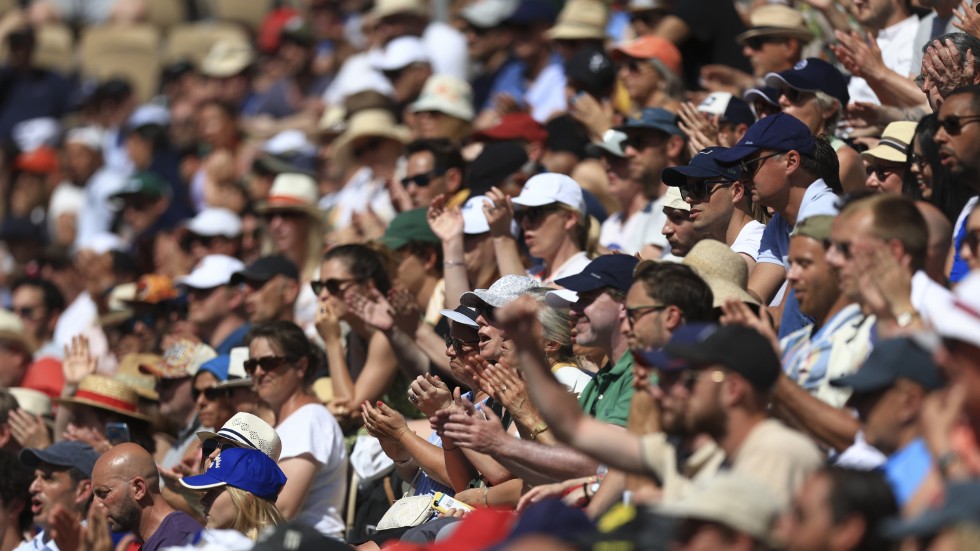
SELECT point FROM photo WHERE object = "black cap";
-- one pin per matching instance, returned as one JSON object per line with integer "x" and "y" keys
{"x": 893, "y": 359}
{"x": 266, "y": 268}
{"x": 610, "y": 270}
{"x": 566, "y": 134}
{"x": 741, "y": 349}
{"x": 67, "y": 453}
{"x": 960, "y": 506}
{"x": 496, "y": 162}
{"x": 590, "y": 70}
{"x": 296, "y": 536}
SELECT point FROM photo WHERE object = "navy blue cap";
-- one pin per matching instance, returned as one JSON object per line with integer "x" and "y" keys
{"x": 243, "y": 468}
{"x": 767, "y": 94}
{"x": 610, "y": 270}
{"x": 960, "y": 506}
{"x": 266, "y": 268}
{"x": 738, "y": 112}
{"x": 740, "y": 349}
{"x": 687, "y": 334}
{"x": 655, "y": 118}
{"x": 893, "y": 359}
{"x": 533, "y": 11}
{"x": 703, "y": 165}
{"x": 67, "y": 453}
{"x": 813, "y": 75}
{"x": 779, "y": 132}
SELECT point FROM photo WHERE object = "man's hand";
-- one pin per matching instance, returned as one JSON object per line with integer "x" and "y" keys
{"x": 78, "y": 361}
{"x": 596, "y": 116}
{"x": 859, "y": 55}
{"x": 943, "y": 65}
{"x": 66, "y": 528}
{"x": 431, "y": 394}
{"x": 28, "y": 430}
{"x": 471, "y": 430}
{"x": 519, "y": 320}
{"x": 701, "y": 129}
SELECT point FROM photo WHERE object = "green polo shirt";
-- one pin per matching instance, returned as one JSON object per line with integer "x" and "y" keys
{"x": 607, "y": 397}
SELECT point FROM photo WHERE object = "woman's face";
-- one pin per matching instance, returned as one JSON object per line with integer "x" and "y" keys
{"x": 219, "y": 510}
{"x": 546, "y": 229}
{"x": 335, "y": 270}
{"x": 922, "y": 170}
{"x": 279, "y": 382}
{"x": 288, "y": 230}
{"x": 214, "y": 410}
{"x": 468, "y": 341}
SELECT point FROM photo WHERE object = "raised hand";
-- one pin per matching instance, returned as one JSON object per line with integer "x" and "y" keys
{"x": 78, "y": 361}
{"x": 470, "y": 429}
{"x": 95, "y": 536}
{"x": 508, "y": 388}
{"x": 327, "y": 323}
{"x": 701, "y": 130}
{"x": 383, "y": 422}
{"x": 405, "y": 310}
{"x": 499, "y": 212}
{"x": 519, "y": 319}
{"x": 430, "y": 394}
{"x": 445, "y": 222}
{"x": 66, "y": 528}
{"x": 400, "y": 199}
{"x": 968, "y": 20}
{"x": 371, "y": 307}
{"x": 859, "y": 54}
{"x": 29, "y": 430}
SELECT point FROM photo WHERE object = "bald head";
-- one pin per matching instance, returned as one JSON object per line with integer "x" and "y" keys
{"x": 127, "y": 461}
{"x": 126, "y": 483}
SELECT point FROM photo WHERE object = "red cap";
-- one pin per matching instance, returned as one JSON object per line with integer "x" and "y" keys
{"x": 42, "y": 160}
{"x": 651, "y": 47}
{"x": 514, "y": 126}
{"x": 272, "y": 25}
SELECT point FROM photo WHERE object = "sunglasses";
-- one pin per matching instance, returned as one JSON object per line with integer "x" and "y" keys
{"x": 750, "y": 167}
{"x": 487, "y": 313}
{"x": 954, "y": 124}
{"x": 637, "y": 312}
{"x": 210, "y": 394}
{"x": 457, "y": 344}
{"x": 423, "y": 180}
{"x": 534, "y": 215}
{"x": 702, "y": 189}
{"x": 757, "y": 42}
{"x": 371, "y": 143}
{"x": 284, "y": 214}
{"x": 333, "y": 286}
{"x": 26, "y": 312}
{"x": 267, "y": 363}
{"x": 880, "y": 171}
{"x": 796, "y": 97}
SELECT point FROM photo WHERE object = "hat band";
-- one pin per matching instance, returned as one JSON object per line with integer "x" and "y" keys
{"x": 286, "y": 199}
{"x": 105, "y": 400}
{"x": 241, "y": 437}
{"x": 772, "y": 29}
{"x": 894, "y": 144}
{"x": 966, "y": 308}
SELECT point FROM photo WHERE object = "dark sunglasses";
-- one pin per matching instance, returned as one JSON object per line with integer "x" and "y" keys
{"x": 686, "y": 378}
{"x": 797, "y": 97}
{"x": 423, "y": 180}
{"x": 371, "y": 143}
{"x": 534, "y": 215}
{"x": 702, "y": 189}
{"x": 267, "y": 363}
{"x": 457, "y": 344}
{"x": 208, "y": 447}
{"x": 757, "y": 42}
{"x": 954, "y": 124}
{"x": 210, "y": 394}
{"x": 750, "y": 167}
{"x": 487, "y": 313}
{"x": 333, "y": 286}
{"x": 880, "y": 171}
{"x": 284, "y": 214}
{"x": 637, "y": 312}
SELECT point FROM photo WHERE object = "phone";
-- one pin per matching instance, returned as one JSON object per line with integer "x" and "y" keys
{"x": 443, "y": 503}
{"x": 117, "y": 433}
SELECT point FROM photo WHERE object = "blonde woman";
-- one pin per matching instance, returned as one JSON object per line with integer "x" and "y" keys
{"x": 240, "y": 489}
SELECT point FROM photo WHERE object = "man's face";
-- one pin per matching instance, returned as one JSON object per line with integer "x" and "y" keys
{"x": 704, "y": 412}
{"x": 618, "y": 173}
{"x": 679, "y": 231}
{"x": 846, "y": 234}
{"x": 28, "y": 304}
{"x": 13, "y": 364}
{"x": 873, "y": 14}
{"x": 768, "y": 54}
{"x": 175, "y": 396}
{"x": 646, "y": 150}
{"x": 811, "y": 522}
{"x": 763, "y": 179}
{"x": 423, "y": 183}
{"x": 479, "y": 257}
{"x": 266, "y": 301}
{"x": 712, "y": 203}
{"x": 141, "y": 211}
{"x": 208, "y": 306}
{"x": 884, "y": 176}
{"x": 411, "y": 271}
{"x": 880, "y": 413}
{"x": 597, "y": 317}
{"x": 959, "y": 150}
{"x": 640, "y": 79}
{"x": 81, "y": 162}
{"x": 52, "y": 486}
{"x": 648, "y": 329}
{"x": 813, "y": 279}
{"x": 115, "y": 495}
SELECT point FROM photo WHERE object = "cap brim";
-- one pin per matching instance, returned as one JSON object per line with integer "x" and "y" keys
{"x": 532, "y": 201}
{"x": 756, "y": 93}
{"x": 735, "y": 154}
{"x": 457, "y": 317}
{"x": 677, "y": 175}
{"x": 660, "y": 359}
{"x": 598, "y": 148}
{"x": 480, "y": 297}
{"x": 581, "y": 282}
{"x": 865, "y": 380}
{"x": 799, "y": 34}
{"x": 31, "y": 458}
{"x": 561, "y": 298}
{"x": 201, "y": 482}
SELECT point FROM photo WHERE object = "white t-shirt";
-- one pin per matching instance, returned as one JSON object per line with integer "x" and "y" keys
{"x": 312, "y": 431}
{"x": 929, "y": 298}
{"x": 749, "y": 239}
{"x": 573, "y": 378}
{"x": 572, "y": 266}
{"x": 896, "y": 44}
{"x": 631, "y": 235}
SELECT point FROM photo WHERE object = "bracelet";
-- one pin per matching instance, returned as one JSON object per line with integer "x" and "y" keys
{"x": 451, "y": 263}
{"x": 538, "y": 429}
{"x": 486, "y": 490}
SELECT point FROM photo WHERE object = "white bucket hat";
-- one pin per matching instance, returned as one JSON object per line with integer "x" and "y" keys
{"x": 448, "y": 95}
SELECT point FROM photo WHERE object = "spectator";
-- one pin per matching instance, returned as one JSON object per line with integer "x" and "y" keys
{"x": 227, "y": 69}
{"x": 679, "y": 226}
{"x": 271, "y": 286}
{"x": 404, "y": 61}
{"x": 298, "y": 91}
{"x": 971, "y": 240}
{"x": 214, "y": 230}
{"x": 721, "y": 205}
{"x": 627, "y": 229}
{"x": 145, "y": 200}
{"x": 313, "y": 456}
{"x": 214, "y": 405}
{"x": 894, "y": 28}
{"x": 488, "y": 43}
{"x": 14, "y": 501}
{"x": 887, "y": 164}
{"x": 434, "y": 166}
{"x": 214, "y": 305}
{"x": 32, "y": 91}
{"x": 650, "y": 69}
{"x": 126, "y": 486}
{"x": 443, "y": 109}
{"x": 469, "y": 239}
{"x": 17, "y": 350}
{"x": 443, "y": 44}
{"x": 63, "y": 482}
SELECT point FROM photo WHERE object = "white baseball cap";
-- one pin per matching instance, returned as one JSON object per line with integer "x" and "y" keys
{"x": 474, "y": 221}
{"x": 216, "y": 221}
{"x": 548, "y": 188}
{"x": 89, "y": 136}
{"x": 400, "y": 53}
{"x": 213, "y": 270}
{"x": 289, "y": 142}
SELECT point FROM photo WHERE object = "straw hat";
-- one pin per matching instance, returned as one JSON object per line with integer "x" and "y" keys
{"x": 776, "y": 20}
{"x": 129, "y": 373}
{"x": 722, "y": 269}
{"x": 12, "y": 329}
{"x": 292, "y": 191}
{"x": 376, "y": 123}
{"x": 249, "y": 431}
{"x": 581, "y": 19}
{"x": 894, "y": 144}
{"x": 101, "y": 392}
{"x": 182, "y": 359}
{"x": 446, "y": 94}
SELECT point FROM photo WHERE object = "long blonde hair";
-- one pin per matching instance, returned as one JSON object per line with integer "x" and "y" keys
{"x": 252, "y": 514}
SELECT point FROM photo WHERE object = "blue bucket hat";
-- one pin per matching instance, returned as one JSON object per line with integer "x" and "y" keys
{"x": 779, "y": 132}
{"x": 702, "y": 166}
{"x": 244, "y": 468}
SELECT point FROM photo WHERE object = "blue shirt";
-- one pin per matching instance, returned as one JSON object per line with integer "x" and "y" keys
{"x": 960, "y": 267}
{"x": 907, "y": 468}
{"x": 236, "y": 338}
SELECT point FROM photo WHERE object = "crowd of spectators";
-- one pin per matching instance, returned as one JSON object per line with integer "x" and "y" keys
{"x": 489, "y": 274}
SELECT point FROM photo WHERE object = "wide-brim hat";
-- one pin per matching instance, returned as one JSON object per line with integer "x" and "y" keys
{"x": 292, "y": 191}
{"x": 448, "y": 95}
{"x": 722, "y": 269}
{"x": 386, "y": 8}
{"x": 894, "y": 144}
{"x": 32, "y": 401}
{"x": 107, "y": 394}
{"x": 375, "y": 123}
{"x": 130, "y": 374}
{"x": 581, "y": 20}
{"x": 247, "y": 430}
{"x": 12, "y": 329}
{"x": 776, "y": 20}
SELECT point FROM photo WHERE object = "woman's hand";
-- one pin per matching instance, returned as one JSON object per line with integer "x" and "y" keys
{"x": 383, "y": 422}
{"x": 28, "y": 430}
{"x": 78, "y": 361}
{"x": 430, "y": 394}
{"x": 508, "y": 388}
{"x": 499, "y": 212}
{"x": 405, "y": 310}
{"x": 328, "y": 323}
{"x": 446, "y": 223}
{"x": 371, "y": 307}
